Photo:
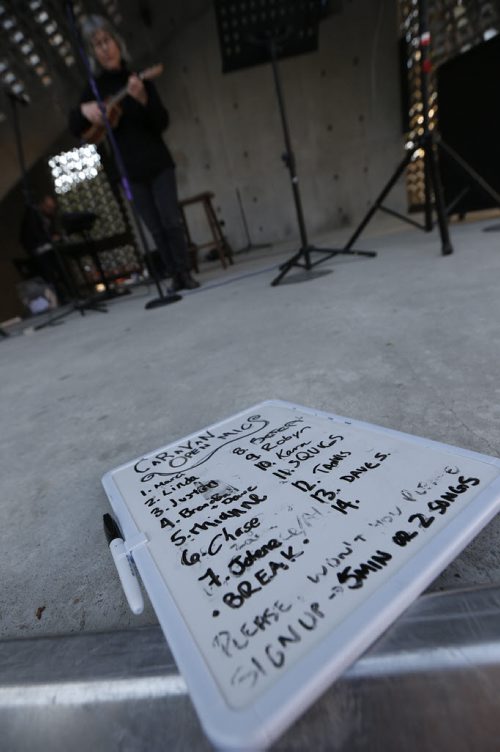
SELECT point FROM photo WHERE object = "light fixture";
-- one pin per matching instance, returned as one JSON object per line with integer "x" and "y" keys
{"x": 74, "y": 167}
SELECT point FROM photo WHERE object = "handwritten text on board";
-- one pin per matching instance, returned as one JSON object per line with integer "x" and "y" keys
{"x": 272, "y": 528}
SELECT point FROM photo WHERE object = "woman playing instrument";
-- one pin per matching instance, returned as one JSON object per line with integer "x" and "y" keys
{"x": 138, "y": 126}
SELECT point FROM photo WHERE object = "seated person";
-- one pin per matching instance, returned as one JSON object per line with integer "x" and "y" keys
{"x": 39, "y": 231}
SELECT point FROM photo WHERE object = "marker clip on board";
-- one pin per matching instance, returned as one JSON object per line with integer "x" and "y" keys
{"x": 124, "y": 565}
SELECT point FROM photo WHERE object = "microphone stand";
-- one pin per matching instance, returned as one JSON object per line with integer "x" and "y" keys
{"x": 162, "y": 299}
{"x": 14, "y": 101}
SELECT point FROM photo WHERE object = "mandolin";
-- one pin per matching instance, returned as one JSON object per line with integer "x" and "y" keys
{"x": 97, "y": 133}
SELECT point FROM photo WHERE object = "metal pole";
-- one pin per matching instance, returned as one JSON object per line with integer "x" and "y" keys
{"x": 289, "y": 157}
{"x": 433, "y": 177}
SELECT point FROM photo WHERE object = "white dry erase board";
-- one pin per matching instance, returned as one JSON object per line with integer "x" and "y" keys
{"x": 278, "y": 544}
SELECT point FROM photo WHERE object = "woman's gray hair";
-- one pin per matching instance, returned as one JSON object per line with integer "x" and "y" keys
{"x": 89, "y": 26}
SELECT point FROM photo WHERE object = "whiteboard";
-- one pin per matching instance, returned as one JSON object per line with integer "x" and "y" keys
{"x": 278, "y": 544}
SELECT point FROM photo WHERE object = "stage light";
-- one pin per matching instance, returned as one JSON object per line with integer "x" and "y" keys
{"x": 73, "y": 167}
{"x": 8, "y": 24}
{"x": 42, "y": 17}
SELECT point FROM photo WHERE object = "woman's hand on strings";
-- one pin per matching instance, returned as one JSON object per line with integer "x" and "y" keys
{"x": 92, "y": 112}
{"x": 136, "y": 89}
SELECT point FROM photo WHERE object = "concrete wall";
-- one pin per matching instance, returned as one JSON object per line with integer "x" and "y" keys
{"x": 343, "y": 105}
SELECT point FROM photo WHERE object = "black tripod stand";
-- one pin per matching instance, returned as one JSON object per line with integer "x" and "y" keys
{"x": 430, "y": 143}
{"x": 253, "y": 35}
{"x": 302, "y": 258}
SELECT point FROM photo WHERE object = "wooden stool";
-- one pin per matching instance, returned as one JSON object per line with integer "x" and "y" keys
{"x": 218, "y": 242}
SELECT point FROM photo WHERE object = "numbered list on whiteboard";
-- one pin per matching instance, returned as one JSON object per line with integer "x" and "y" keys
{"x": 271, "y": 528}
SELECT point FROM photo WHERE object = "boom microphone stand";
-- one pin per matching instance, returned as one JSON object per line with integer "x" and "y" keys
{"x": 254, "y": 33}
{"x": 302, "y": 258}
{"x": 162, "y": 299}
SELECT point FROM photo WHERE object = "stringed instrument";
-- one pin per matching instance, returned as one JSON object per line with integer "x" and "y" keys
{"x": 97, "y": 132}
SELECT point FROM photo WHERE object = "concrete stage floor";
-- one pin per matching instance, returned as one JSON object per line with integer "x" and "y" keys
{"x": 408, "y": 340}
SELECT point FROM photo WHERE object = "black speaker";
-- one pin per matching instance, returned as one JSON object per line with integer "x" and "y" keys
{"x": 469, "y": 121}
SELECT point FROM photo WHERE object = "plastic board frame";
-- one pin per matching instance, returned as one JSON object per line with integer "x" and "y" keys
{"x": 257, "y": 723}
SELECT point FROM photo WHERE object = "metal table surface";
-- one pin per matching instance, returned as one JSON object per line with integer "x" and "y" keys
{"x": 430, "y": 683}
